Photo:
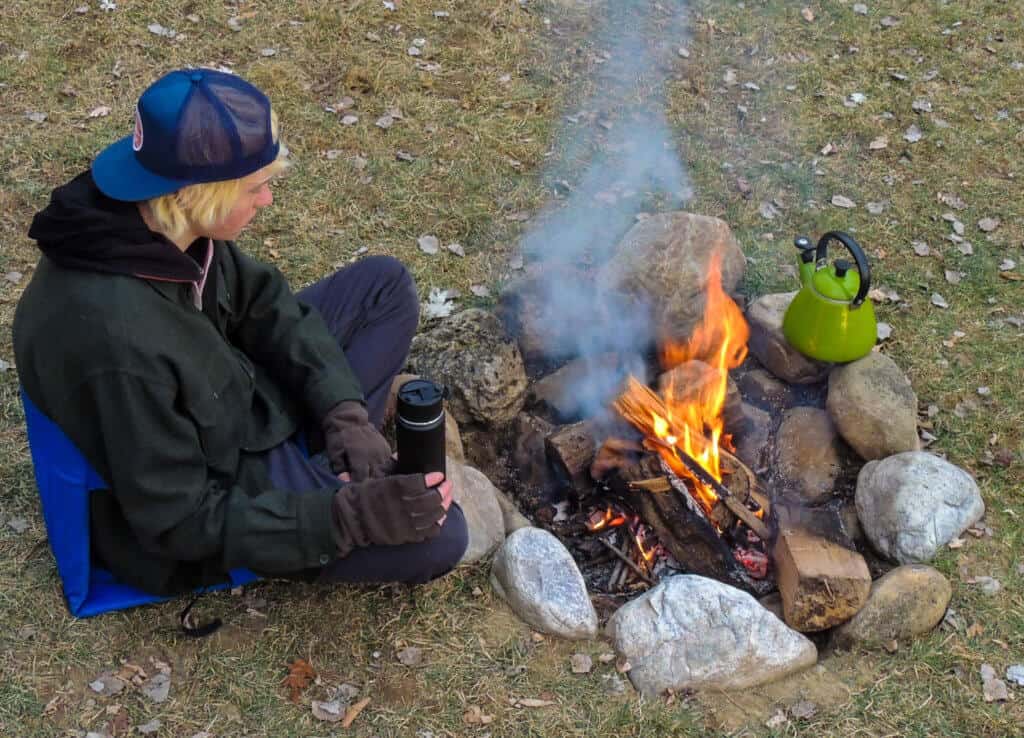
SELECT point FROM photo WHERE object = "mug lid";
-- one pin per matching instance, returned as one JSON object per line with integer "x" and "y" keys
{"x": 420, "y": 400}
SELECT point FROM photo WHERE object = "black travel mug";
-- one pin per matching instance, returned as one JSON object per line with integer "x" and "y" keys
{"x": 419, "y": 427}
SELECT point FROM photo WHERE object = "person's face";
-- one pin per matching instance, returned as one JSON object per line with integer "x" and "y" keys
{"x": 254, "y": 195}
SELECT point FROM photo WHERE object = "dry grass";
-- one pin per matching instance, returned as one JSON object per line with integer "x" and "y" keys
{"x": 465, "y": 127}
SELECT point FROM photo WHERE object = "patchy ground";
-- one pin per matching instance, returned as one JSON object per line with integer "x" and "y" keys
{"x": 899, "y": 121}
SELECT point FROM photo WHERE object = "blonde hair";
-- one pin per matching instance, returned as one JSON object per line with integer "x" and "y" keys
{"x": 206, "y": 204}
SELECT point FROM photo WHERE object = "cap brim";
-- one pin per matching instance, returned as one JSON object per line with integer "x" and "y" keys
{"x": 119, "y": 175}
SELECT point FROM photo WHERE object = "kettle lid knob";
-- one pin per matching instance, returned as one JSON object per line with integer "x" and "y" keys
{"x": 842, "y": 267}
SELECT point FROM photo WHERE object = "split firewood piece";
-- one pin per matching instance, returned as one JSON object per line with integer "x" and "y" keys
{"x": 822, "y": 583}
{"x": 571, "y": 449}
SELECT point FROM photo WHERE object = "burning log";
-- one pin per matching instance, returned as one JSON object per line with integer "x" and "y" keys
{"x": 571, "y": 449}
{"x": 822, "y": 584}
{"x": 736, "y": 506}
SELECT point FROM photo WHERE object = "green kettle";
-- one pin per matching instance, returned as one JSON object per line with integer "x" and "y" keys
{"x": 830, "y": 318}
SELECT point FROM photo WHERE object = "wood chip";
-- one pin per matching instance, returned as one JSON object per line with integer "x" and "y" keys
{"x": 353, "y": 712}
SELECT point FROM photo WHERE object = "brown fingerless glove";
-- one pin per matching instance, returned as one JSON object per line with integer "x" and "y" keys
{"x": 353, "y": 444}
{"x": 388, "y": 512}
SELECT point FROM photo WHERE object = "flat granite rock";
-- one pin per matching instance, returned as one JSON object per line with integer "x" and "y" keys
{"x": 912, "y": 504}
{"x": 691, "y": 632}
{"x": 537, "y": 576}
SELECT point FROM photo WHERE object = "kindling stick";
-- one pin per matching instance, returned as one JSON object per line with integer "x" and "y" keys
{"x": 625, "y": 560}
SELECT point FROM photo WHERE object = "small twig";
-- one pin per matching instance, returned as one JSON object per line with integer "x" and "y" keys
{"x": 626, "y": 560}
{"x": 614, "y": 578}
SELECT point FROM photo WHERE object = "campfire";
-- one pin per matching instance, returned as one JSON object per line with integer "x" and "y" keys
{"x": 676, "y": 498}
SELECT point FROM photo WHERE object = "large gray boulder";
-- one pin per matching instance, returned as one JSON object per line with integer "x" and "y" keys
{"x": 537, "y": 576}
{"x": 874, "y": 407}
{"x": 471, "y": 354}
{"x": 478, "y": 499}
{"x": 913, "y": 503}
{"x": 664, "y": 260}
{"x": 906, "y": 602}
{"x": 770, "y": 347}
{"x": 809, "y": 454}
{"x": 690, "y": 632}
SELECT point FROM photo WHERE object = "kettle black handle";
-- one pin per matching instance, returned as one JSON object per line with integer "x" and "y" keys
{"x": 858, "y": 256}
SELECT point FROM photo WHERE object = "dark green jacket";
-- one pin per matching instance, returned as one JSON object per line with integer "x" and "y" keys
{"x": 172, "y": 404}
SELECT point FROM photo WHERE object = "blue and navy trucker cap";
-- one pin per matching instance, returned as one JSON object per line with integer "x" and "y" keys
{"x": 191, "y": 126}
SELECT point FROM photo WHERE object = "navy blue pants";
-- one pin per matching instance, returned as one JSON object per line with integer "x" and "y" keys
{"x": 372, "y": 309}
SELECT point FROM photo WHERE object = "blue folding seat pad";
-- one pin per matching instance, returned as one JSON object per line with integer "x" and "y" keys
{"x": 65, "y": 480}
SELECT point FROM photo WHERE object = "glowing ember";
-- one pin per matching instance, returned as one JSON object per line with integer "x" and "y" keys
{"x": 690, "y": 417}
{"x": 599, "y": 520}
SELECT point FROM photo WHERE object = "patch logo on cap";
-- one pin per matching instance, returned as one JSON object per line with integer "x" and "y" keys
{"x": 137, "y": 136}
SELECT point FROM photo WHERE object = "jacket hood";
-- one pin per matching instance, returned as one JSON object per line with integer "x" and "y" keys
{"x": 84, "y": 229}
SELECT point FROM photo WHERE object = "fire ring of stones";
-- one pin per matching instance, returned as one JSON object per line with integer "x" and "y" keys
{"x": 675, "y": 474}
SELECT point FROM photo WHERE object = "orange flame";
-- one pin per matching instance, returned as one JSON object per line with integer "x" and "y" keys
{"x": 690, "y": 413}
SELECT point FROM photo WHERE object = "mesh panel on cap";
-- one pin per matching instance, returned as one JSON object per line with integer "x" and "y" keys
{"x": 221, "y": 123}
{"x": 203, "y": 140}
{"x": 249, "y": 115}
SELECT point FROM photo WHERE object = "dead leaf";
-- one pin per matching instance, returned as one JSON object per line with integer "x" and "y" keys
{"x": 158, "y": 30}
{"x": 954, "y": 277}
{"x": 157, "y": 688}
{"x": 480, "y": 290}
{"x": 456, "y": 249}
{"x": 151, "y": 727}
{"x": 743, "y": 187}
{"x": 531, "y": 702}
{"x": 920, "y": 248}
{"x": 36, "y": 117}
{"x": 606, "y": 658}
{"x": 913, "y": 134}
{"x": 965, "y": 248}
{"x": 1006, "y": 265}
{"x": 988, "y": 224}
{"x": 268, "y": 52}
{"x": 353, "y": 712}
{"x": 411, "y": 656}
{"x": 939, "y": 301}
{"x": 99, "y": 112}
{"x": 974, "y": 630}
{"x": 329, "y": 712}
{"x": 841, "y": 201}
{"x": 476, "y": 716}
{"x": 879, "y": 143}
{"x": 385, "y": 122}
{"x": 808, "y": 15}
{"x": 428, "y": 244}
{"x": 581, "y": 663}
{"x": 300, "y": 674}
{"x": 404, "y": 156}
{"x": 956, "y": 543}
{"x": 921, "y": 105}
{"x": 889, "y": 22}
{"x": 349, "y": 120}
{"x": 768, "y": 211}
{"x": 803, "y": 710}
{"x": 952, "y": 200}
{"x": 1012, "y": 276}
{"x": 884, "y": 331}
{"x": 106, "y": 684}
{"x": 860, "y": 8}
{"x": 993, "y": 689}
